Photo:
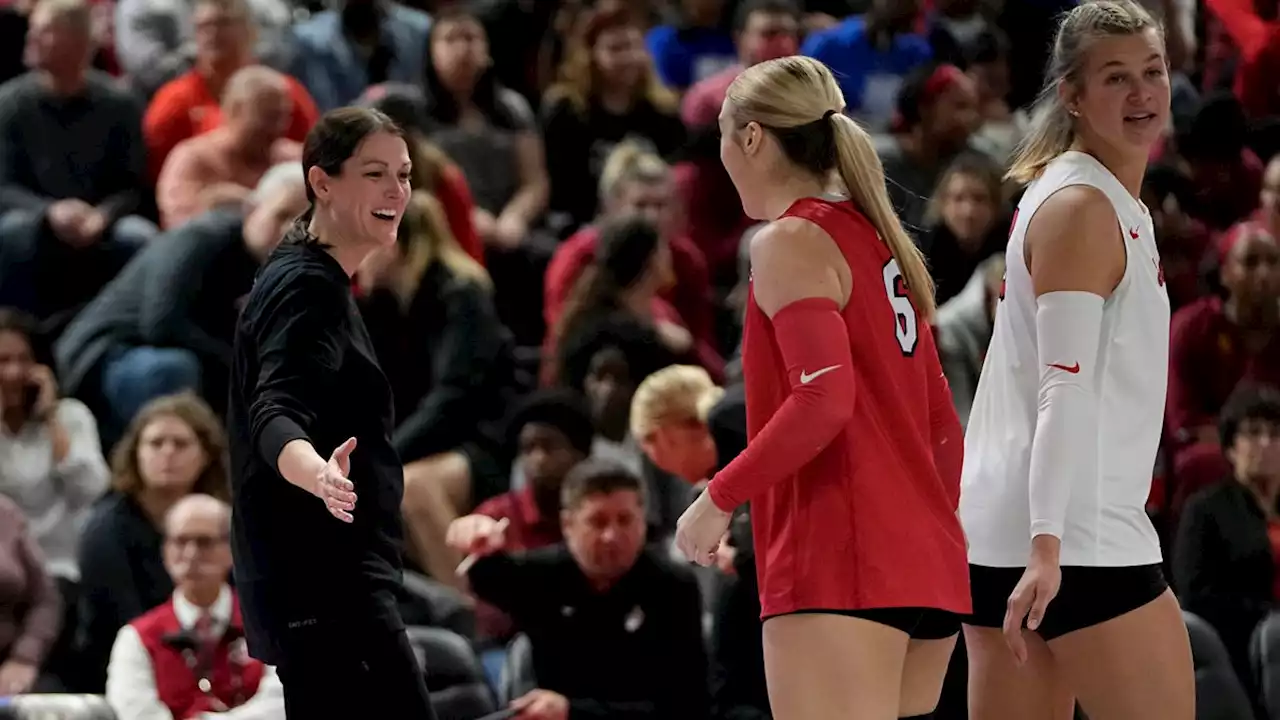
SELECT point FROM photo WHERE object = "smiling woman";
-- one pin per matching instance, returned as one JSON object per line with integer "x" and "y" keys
{"x": 318, "y": 580}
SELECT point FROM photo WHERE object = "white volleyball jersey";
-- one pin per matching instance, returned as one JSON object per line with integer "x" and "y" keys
{"x": 1106, "y": 521}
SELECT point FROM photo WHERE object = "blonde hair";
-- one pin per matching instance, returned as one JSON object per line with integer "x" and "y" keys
{"x": 630, "y": 161}
{"x": 790, "y": 97}
{"x": 1052, "y": 130}
{"x": 674, "y": 394}
{"x": 424, "y": 238}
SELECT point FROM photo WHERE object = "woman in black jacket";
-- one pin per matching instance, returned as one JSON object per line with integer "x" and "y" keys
{"x": 429, "y": 309}
{"x": 1224, "y": 560}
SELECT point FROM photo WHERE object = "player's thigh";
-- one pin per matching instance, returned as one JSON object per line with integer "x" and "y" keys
{"x": 1002, "y": 689}
{"x": 923, "y": 671}
{"x": 1136, "y": 666}
{"x": 826, "y": 666}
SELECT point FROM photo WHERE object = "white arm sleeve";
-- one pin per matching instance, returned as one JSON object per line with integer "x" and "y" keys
{"x": 1064, "y": 451}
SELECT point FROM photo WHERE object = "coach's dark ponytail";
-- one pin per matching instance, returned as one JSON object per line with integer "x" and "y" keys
{"x": 300, "y": 232}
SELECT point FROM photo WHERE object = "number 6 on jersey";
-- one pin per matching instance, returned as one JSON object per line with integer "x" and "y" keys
{"x": 904, "y": 313}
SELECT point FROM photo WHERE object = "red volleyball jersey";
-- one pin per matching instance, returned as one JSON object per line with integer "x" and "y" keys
{"x": 871, "y": 521}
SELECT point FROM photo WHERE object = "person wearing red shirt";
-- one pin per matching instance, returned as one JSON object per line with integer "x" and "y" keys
{"x": 853, "y": 465}
{"x": 189, "y": 104}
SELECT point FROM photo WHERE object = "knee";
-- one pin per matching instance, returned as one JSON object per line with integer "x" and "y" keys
{"x": 433, "y": 481}
{"x": 145, "y": 373}
{"x": 133, "y": 231}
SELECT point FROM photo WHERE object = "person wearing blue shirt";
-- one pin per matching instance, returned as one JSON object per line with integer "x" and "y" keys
{"x": 696, "y": 47}
{"x": 870, "y": 54}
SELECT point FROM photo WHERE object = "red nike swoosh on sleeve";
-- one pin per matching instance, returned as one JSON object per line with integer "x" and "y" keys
{"x": 1073, "y": 369}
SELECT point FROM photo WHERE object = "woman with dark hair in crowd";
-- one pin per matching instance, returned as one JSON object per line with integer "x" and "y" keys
{"x": 174, "y": 447}
{"x": 607, "y": 92}
{"x": 615, "y": 294}
{"x": 318, "y": 580}
{"x": 964, "y": 223}
{"x": 492, "y": 133}
{"x": 429, "y": 309}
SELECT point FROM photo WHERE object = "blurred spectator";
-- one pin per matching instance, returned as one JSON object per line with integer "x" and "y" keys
{"x": 193, "y": 103}
{"x": 694, "y": 46}
{"x": 1183, "y": 240}
{"x": 1228, "y": 541}
{"x": 966, "y": 222}
{"x": 491, "y": 132}
{"x": 72, "y": 171}
{"x": 51, "y": 464}
{"x": 954, "y": 29}
{"x": 187, "y": 657}
{"x": 166, "y": 323}
{"x": 616, "y": 631}
{"x": 1226, "y": 175}
{"x": 433, "y": 171}
{"x": 488, "y": 130}
{"x": 1256, "y": 39}
{"x": 937, "y": 116}
{"x": 157, "y": 40}
{"x": 30, "y": 610}
{"x": 527, "y": 38}
{"x": 618, "y": 290}
{"x": 223, "y": 165}
{"x": 964, "y": 325}
{"x": 173, "y": 448}
{"x": 429, "y": 311}
{"x": 552, "y": 432}
{"x": 690, "y": 428}
{"x": 635, "y": 182}
{"x": 1001, "y": 125}
{"x": 762, "y": 30}
{"x": 870, "y": 55}
{"x": 1216, "y": 342}
{"x": 607, "y": 92}
{"x": 363, "y": 42}
{"x": 1269, "y": 199}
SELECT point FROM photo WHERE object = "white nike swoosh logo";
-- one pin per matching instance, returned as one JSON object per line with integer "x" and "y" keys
{"x": 806, "y": 378}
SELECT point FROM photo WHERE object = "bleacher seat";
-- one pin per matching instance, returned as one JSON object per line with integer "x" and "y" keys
{"x": 1219, "y": 693}
{"x": 517, "y": 673}
{"x": 453, "y": 674}
{"x": 1264, "y": 656}
{"x": 57, "y": 707}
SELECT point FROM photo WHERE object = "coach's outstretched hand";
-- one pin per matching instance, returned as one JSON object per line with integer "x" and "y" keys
{"x": 701, "y": 529}
{"x": 1032, "y": 595}
{"x": 333, "y": 487}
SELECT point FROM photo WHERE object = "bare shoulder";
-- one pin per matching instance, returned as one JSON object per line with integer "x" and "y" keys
{"x": 793, "y": 259}
{"x": 1074, "y": 243}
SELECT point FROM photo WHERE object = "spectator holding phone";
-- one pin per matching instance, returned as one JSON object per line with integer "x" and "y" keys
{"x": 51, "y": 463}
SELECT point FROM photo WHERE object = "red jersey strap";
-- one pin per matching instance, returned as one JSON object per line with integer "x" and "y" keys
{"x": 814, "y": 341}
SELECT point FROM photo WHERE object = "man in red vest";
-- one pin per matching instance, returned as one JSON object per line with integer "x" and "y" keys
{"x": 187, "y": 657}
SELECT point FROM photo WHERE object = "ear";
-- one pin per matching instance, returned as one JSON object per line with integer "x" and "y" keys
{"x": 1069, "y": 96}
{"x": 751, "y": 138}
{"x": 319, "y": 180}
{"x": 566, "y": 519}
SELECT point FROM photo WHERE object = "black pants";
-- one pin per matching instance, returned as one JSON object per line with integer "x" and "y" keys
{"x": 337, "y": 675}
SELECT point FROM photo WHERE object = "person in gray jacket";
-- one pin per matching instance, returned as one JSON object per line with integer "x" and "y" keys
{"x": 963, "y": 330}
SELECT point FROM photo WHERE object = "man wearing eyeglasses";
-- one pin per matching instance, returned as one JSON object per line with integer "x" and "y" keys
{"x": 187, "y": 657}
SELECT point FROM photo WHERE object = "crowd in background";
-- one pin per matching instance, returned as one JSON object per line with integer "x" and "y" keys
{"x": 558, "y": 320}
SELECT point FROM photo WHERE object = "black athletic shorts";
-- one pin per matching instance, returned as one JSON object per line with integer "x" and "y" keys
{"x": 918, "y": 623}
{"x": 1089, "y": 595}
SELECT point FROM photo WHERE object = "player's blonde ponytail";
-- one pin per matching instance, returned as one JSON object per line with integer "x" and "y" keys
{"x": 863, "y": 176}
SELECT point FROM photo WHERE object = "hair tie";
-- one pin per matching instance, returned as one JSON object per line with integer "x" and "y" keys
{"x": 827, "y": 115}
